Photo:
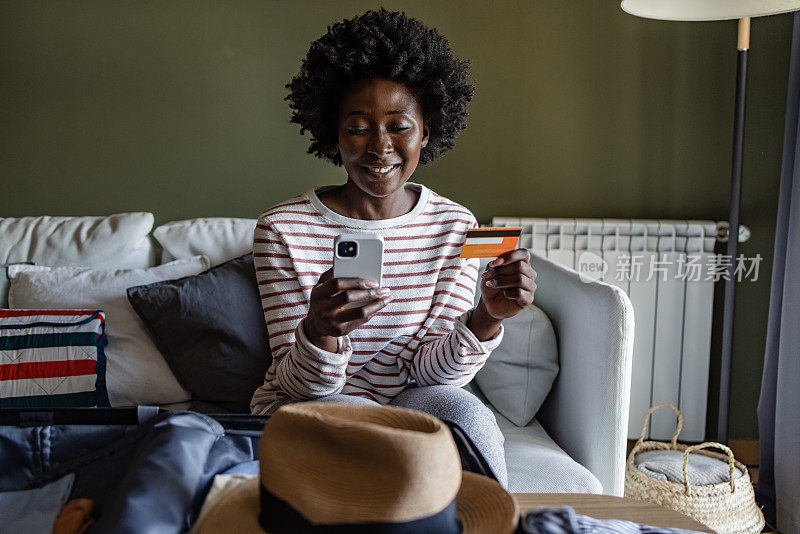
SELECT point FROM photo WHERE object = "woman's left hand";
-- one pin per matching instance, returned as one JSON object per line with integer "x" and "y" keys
{"x": 507, "y": 284}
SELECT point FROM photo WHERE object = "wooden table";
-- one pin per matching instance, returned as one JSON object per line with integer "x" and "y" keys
{"x": 608, "y": 507}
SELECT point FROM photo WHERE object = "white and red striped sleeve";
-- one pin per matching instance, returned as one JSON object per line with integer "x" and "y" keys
{"x": 302, "y": 370}
{"x": 450, "y": 353}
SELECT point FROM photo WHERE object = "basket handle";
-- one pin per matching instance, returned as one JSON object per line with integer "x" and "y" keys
{"x": 647, "y": 419}
{"x": 706, "y": 445}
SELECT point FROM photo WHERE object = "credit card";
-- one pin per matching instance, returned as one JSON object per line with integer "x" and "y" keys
{"x": 489, "y": 242}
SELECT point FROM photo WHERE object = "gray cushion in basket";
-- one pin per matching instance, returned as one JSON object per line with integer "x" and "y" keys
{"x": 668, "y": 466}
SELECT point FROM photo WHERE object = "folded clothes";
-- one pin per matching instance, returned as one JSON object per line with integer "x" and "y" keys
{"x": 566, "y": 521}
{"x": 668, "y": 465}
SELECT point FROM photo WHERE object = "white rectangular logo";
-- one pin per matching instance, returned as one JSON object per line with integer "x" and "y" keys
{"x": 483, "y": 241}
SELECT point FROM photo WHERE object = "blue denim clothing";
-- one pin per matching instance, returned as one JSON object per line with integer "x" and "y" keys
{"x": 142, "y": 478}
{"x": 34, "y": 511}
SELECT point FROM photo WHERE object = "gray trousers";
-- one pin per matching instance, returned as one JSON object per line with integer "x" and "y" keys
{"x": 456, "y": 405}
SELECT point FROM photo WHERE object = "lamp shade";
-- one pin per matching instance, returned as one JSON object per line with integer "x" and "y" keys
{"x": 707, "y": 9}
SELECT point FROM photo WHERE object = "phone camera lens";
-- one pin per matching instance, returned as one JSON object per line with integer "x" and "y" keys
{"x": 347, "y": 249}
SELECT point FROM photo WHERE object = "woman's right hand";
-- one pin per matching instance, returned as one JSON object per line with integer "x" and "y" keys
{"x": 327, "y": 320}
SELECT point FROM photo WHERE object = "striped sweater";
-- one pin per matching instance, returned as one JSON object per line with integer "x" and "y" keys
{"x": 421, "y": 335}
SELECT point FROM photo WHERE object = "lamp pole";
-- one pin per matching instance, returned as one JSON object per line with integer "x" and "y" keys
{"x": 733, "y": 231}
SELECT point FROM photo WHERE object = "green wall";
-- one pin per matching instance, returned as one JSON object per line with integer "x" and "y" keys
{"x": 581, "y": 110}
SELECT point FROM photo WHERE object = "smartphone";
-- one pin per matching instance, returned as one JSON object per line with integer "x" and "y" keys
{"x": 358, "y": 256}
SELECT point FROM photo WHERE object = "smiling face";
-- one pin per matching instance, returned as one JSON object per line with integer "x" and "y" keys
{"x": 381, "y": 134}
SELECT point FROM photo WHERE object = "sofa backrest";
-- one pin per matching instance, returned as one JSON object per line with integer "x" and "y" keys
{"x": 114, "y": 241}
{"x": 119, "y": 241}
{"x": 218, "y": 238}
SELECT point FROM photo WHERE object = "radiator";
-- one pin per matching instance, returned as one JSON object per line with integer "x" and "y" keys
{"x": 656, "y": 263}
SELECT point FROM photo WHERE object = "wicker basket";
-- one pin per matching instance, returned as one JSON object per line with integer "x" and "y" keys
{"x": 726, "y": 507}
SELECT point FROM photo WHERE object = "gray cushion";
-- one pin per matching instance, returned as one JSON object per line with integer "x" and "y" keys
{"x": 519, "y": 373}
{"x": 210, "y": 328}
{"x": 668, "y": 466}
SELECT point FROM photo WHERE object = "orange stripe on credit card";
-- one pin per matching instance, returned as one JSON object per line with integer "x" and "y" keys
{"x": 489, "y": 242}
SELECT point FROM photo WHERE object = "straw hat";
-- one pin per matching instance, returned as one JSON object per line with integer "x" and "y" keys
{"x": 360, "y": 469}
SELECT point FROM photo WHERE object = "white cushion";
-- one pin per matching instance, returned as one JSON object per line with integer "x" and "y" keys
{"x": 136, "y": 373}
{"x": 219, "y": 238}
{"x": 114, "y": 241}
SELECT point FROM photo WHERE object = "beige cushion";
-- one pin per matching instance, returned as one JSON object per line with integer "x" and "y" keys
{"x": 137, "y": 372}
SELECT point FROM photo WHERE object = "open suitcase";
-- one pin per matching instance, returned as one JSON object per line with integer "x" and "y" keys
{"x": 145, "y": 469}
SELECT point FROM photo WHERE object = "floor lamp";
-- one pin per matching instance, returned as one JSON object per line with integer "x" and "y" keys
{"x": 706, "y": 10}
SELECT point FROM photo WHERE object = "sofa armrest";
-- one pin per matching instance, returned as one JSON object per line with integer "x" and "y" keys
{"x": 586, "y": 411}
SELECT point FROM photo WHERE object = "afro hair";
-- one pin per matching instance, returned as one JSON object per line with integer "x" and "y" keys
{"x": 381, "y": 44}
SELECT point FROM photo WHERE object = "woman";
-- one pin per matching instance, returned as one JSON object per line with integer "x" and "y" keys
{"x": 380, "y": 94}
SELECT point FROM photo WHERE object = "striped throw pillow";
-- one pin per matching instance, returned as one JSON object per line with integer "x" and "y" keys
{"x": 52, "y": 358}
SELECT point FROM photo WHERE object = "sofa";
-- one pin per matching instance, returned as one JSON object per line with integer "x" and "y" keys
{"x": 558, "y": 384}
